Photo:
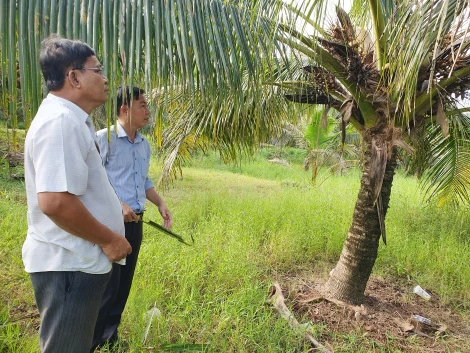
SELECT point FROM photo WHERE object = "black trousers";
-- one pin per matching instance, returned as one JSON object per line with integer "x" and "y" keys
{"x": 116, "y": 293}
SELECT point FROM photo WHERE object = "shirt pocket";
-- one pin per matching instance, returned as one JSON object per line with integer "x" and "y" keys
{"x": 144, "y": 167}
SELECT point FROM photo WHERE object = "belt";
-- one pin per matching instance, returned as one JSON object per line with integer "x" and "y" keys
{"x": 140, "y": 215}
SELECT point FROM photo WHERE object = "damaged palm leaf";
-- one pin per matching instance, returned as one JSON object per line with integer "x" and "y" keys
{"x": 378, "y": 165}
{"x": 346, "y": 111}
{"x": 169, "y": 232}
{"x": 441, "y": 118}
{"x": 381, "y": 215}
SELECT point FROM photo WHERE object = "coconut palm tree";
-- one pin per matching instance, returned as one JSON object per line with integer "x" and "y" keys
{"x": 228, "y": 72}
{"x": 382, "y": 88}
{"x": 399, "y": 87}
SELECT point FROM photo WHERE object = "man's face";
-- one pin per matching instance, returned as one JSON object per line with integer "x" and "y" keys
{"x": 95, "y": 84}
{"x": 139, "y": 114}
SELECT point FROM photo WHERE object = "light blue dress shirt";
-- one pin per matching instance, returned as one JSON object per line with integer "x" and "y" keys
{"x": 127, "y": 165}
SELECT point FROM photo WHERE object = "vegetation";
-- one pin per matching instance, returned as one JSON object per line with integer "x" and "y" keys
{"x": 252, "y": 225}
{"x": 225, "y": 69}
{"x": 397, "y": 87}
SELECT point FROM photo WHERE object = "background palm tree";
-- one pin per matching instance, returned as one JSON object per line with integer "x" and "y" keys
{"x": 225, "y": 68}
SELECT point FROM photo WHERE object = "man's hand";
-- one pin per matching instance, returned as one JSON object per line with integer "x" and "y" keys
{"x": 153, "y": 197}
{"x": 116, "y": 249}
{"x": 129, "y": 215}
{"x": 166, "y": 215}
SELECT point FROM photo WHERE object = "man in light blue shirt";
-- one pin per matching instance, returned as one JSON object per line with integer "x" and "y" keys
{"x": 126, "y": 159}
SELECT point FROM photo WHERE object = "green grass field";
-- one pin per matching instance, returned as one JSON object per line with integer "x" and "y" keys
{"x": 251, "y": 223}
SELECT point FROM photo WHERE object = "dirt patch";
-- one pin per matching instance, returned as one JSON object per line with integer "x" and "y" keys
{"x": 385, "y": 322}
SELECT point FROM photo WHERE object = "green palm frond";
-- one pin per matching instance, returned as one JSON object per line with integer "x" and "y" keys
{"x": 320, "y": 132}
{"x": 194, "y": 123}
{"x": 417, "y": 36}
{"x": 178, "y": 153}
{"x": 208, "y": 44}
{"x": 227, "y": 65}
{"x": 379, "y": 11}
{"x": 448, "y": 173}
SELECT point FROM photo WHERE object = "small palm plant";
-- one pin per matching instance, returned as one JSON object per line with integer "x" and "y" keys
{"x": 328, "y": 147}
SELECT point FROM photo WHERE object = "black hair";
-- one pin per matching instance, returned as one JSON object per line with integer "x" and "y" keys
{"x": 123, "y": 96}
{"x": 58, "y": 55}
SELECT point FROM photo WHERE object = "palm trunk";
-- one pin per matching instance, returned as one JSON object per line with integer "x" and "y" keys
{"x": 349, "y": 278}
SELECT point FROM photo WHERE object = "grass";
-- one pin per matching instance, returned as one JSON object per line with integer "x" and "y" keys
{"x": 251, "y": 223}
{"x": 11, "y": 140}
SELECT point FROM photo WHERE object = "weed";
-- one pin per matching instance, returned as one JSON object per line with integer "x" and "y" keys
{"x": 250, "y": 223}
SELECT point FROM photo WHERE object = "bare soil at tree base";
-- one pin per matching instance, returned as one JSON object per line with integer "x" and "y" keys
{"x": 385, "y": 320}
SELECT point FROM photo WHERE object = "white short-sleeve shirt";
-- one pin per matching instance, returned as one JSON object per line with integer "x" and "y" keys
{"x": 61, "y": 156}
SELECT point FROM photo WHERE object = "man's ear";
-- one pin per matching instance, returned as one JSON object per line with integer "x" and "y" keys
{"x": 123, "y": 110}
{"x": 73, "y": 79}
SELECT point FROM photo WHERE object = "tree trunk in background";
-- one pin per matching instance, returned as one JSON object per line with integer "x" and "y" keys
{"x": 349, "y": 278}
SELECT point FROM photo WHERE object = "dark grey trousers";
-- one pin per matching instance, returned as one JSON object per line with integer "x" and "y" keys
{"x": 68, "y": 304}
{"x": 117, "y": 291}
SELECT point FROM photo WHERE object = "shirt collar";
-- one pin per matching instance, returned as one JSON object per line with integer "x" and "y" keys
{"x": 122, "y": 133}
{"x": 82, "y": 115}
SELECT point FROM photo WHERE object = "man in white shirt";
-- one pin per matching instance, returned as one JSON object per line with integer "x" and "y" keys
{"x": 75, "y": 229}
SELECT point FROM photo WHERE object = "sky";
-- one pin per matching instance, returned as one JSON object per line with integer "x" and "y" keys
{"x": 345, "y": 4}
{"x": 331, "y": 5}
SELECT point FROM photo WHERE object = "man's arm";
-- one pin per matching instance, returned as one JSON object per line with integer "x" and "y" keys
{"x": 69, "y": 213}
{"x": 157, "y": 200}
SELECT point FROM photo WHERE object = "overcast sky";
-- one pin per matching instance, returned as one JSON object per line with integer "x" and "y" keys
{"x": 345, "y": 4}
{"x": 331, "y": 4}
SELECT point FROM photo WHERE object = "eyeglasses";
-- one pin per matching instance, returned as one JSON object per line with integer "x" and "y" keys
{"x": 98, "y": 70}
